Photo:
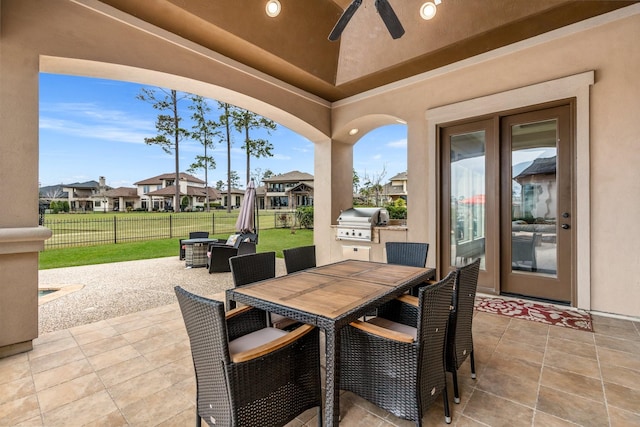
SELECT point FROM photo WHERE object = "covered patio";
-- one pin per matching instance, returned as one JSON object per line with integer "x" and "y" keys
{"x": 136, "y": 368}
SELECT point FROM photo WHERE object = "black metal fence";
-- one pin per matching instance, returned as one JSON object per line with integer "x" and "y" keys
{"x": 97, "y": 229}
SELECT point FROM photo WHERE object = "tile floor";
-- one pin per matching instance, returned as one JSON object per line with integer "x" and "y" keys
{"x": 136, "y": 370}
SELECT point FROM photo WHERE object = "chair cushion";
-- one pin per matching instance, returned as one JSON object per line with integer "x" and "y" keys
{"x": 394, "y": 326}
{"x": 231, "y": 241}
{"x": 254, "y": 339}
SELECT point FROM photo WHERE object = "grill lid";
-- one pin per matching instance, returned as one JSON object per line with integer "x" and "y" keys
{"x": 364, "y": 216}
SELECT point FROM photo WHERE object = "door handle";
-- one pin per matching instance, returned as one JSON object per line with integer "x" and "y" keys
{"x": 565, "y": 226}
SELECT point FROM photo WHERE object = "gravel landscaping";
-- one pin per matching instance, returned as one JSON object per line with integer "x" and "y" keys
{"x": 104, "y": 291}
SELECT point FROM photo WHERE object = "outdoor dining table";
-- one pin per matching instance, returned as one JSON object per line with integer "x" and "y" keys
{"x": 330, "y": 297}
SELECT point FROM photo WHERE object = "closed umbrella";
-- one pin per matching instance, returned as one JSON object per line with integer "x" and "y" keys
{"x": 246, "y": 217}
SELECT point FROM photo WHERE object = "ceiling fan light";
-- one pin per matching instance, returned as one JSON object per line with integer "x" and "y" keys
{"x": 428, "y": 10}
{"x": 273, "y": 8}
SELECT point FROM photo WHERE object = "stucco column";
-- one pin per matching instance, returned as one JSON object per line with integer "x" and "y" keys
{"x": 20, "y": 236}
{"x": 421, "y": 187}
{"x": 333, "y": 162}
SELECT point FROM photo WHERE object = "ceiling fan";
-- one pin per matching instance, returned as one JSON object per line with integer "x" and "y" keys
{"x": 384, "y": 10}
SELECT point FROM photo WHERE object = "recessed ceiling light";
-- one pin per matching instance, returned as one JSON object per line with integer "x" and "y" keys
{"x": 428, "y": 10}
{"x": 353, "y": 131}
{"x": 273, "y": 8}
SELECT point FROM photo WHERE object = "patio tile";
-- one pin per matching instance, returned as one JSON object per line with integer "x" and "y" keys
{"x": 129, "y": 392}
{"x": 622, "y": 376}
{"x": 629, "y": 346}
{"x": 483, "y": 407}
{"x": 157, "y": 407}
{"x": 16, "y": 389}
{"x": 14, "y": 367}
{"x": 61, "y": 374}
{"x": 622, "y": 418}
{"x": 571, "y": 362}
{"x": 53, "y": 360}
{"x": 581, "y": 349}
{"x": 559, "y": 379}
{"x": 89, "y": 409}
{"x": 508, "y": 386}
{"x": 571, "y": 407}
{"x": 542, "y": 419}
{"x": 113, "y": 357}
{"x": 618, "y": 358}
{"x": 531, "y": 353}
{"x": 622, "y": 397}
{"x": 69, "y": 391}
{"x": 19, "y": 410}
{"x": 124, "y": 371}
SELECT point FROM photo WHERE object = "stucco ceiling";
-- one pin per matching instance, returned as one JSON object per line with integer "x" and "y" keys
{"x": 294, "y": 47}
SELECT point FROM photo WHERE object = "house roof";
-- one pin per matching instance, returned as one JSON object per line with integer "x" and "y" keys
{"x": 82, "y": 185}
{"x": 191, "y": 191}
{"x": 539, "y": 166}
{"x": 169, "y": 176}
{"x": 402, "y": 176}
{"x": 293, "y": 176}
{"x": 120, "y": 192}
{"x": 294, "y": 47}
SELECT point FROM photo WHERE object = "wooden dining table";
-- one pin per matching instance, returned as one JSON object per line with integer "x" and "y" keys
{"x": 330, "y": 297}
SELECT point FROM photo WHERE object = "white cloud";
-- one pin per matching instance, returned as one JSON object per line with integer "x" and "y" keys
{"x": 400, "y": 143}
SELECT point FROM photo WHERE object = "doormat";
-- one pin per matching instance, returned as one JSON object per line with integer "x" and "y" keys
{"x": 528, "y": 310}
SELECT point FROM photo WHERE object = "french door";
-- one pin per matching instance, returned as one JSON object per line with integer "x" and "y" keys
{"x": 507, "y": 199}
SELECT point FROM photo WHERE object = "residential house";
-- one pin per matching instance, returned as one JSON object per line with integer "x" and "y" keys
{"x": 156, "y": 193}
{"x": 480, "y": 83}
{"x": 121, "y": 199}
{"x": 396, "y": 188}
{"x": 289, "y": 190}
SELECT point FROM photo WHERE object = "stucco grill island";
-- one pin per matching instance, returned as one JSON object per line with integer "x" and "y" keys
{"x": 357, "y": 223}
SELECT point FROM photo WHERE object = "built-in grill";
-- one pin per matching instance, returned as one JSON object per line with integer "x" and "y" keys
{"x": 358, "y": 223}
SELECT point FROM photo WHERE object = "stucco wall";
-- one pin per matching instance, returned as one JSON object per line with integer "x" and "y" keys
{"x": 61, "y": 36}
{"x": 612, "y": 51}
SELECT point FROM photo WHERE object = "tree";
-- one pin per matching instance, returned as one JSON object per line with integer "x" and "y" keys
{"x": 234, "y": 179}
{"x": 259, "y": 176}
{"x": 168, "y": 126}
{"x": 225, "y": 120}
{"x": 219, "y": 185}
{"x": 372, "y": 186}
{"x": 356, "y": 182}
{"x": 204, "y": 131}
{"x": 245, "y": 121}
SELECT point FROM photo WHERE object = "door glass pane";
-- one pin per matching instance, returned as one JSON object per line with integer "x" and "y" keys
{"x": 534, "y": 197}
{"x": 468, "y": 225}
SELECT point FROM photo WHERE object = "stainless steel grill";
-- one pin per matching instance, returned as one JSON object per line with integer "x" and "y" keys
{"x": 357, "y": 223}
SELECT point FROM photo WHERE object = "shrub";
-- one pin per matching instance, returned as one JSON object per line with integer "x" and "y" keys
{"x": 304, "y": 214}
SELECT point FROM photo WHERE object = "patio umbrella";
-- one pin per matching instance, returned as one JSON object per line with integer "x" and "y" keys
{"x": 478, "y": 199}
{"x": 246, "y": 217}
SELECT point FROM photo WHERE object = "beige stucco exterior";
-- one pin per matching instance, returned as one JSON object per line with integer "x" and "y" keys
{"x": 596, "y": 62}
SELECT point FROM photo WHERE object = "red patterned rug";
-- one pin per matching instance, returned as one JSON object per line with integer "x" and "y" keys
{"x": 537, "y": 312}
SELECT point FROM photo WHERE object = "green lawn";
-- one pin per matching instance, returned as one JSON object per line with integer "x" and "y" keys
{"x": 269, "y": 240}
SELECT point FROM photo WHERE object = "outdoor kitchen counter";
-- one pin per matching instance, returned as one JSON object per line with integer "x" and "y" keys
{"x": 370, "y": 250}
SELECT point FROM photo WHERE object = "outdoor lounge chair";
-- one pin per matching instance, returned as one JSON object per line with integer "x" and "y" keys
{"x": 396, "y": 360}
{"x": 218, "y": 253}
{"x": 192, "y": 235}
{"x": 459, "y": 335}
{"x": 248, "y": 374}
{"x": 301, "y": 258}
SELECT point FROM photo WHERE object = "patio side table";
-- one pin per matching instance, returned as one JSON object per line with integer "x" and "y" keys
{"x": 195, "y": 251}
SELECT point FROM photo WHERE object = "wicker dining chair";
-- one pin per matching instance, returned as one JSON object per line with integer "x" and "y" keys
{"x": 459, "y": 334}
{"x": 248, "y": 374}
{"x": 413, "y": 254}
{"x": 396, "y": 360}
{"x": 250, "y": 268}
{"x": 300, "y": 258}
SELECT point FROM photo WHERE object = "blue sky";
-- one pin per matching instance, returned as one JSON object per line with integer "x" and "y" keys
{"x": 95, "y": 127}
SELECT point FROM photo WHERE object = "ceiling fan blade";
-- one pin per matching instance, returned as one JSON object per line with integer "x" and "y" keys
{"x": 344, "y": 20}
{"x": 390, "y": 19}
